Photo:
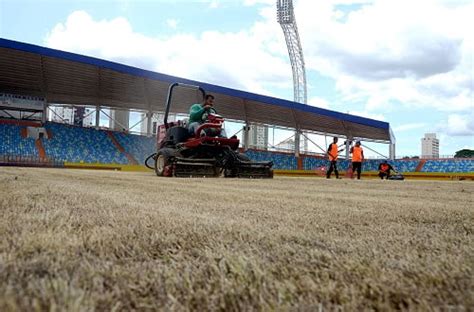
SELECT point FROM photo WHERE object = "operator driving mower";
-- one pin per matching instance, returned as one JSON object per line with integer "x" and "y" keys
{"x": 204, "y": 154}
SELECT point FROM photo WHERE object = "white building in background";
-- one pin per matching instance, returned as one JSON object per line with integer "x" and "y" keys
{"x": 258, "y": 137}
{"x": 430, "y": 146}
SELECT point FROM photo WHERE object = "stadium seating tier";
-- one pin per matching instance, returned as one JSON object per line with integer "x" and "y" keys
{"x": 12, "y": 143}
{"x": 88, "y": 145}
{"x": 77, "y": 144}
{"x": 138, "y": 146}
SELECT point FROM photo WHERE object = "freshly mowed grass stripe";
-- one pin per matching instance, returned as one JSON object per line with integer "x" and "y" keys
{"x": 80, "y": 240}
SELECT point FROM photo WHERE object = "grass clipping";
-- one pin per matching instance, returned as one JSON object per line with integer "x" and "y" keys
{"x": 81, "y": 240}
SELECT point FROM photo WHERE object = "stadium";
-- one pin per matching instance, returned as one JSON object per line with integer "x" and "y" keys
{"x": 115, "y": 236}
{"x": 34, "y": 79}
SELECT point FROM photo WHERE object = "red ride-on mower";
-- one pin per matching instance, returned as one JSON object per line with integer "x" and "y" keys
{"x": 204, "y": 154}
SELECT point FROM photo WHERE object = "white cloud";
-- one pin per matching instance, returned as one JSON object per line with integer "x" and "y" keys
{"x": 381, "y": 53}
{"x": 240, "y": 60}
{"x": 318, "y": 102}
{"x": 409, "y": 126}
{"x": 124, "y": 5}
{"x": 254, "y": 2}
{"x": 172, "y": 23}
{"x": 367, "y": 114}
{"x": 386, "y": 51}
{"x": 214, "y": 4}
{"x": 459, "y": 125}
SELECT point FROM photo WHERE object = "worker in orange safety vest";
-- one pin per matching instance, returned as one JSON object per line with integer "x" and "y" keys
{"x": 333, "y": 153}
{"x": 357, "y": 158}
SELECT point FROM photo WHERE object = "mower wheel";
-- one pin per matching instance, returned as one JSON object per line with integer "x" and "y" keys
{"x": 162, "y": 161}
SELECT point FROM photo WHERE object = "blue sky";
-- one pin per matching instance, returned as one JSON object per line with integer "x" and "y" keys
{"x": 404, "y": 62}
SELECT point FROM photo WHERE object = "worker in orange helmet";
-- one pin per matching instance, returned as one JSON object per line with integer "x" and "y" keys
{"x": 357, "y": 158}
{"x": 333, "y": 153}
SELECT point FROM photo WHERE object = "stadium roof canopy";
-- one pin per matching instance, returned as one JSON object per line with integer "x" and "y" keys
{"x": 68, "y": 78}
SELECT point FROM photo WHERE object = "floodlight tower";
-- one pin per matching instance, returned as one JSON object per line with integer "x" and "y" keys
{"x": 287, "y": 21}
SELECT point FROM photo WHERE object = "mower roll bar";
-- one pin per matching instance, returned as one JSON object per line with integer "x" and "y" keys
{"x": 170, "y": 93}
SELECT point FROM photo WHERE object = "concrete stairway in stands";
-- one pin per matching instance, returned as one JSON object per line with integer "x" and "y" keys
{"x": 420, "y": 165}
{"x": 131, "y": 159}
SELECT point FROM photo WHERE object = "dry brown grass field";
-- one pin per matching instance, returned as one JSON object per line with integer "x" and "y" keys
{"x": 80, "y": 240}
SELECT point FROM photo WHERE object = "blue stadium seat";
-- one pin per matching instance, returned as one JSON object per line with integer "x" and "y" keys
{"x": 280, "y": 160}
{"x": 140, "y": 147}
{"x": 289, "y": 162}
{"x": 77, "y": 144}
{"x": 11, "y": 142}
{"x": 311, "y": 163}
{"x": 448, "y": 165}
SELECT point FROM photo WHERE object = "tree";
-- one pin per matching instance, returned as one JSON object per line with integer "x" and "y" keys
{"x": 464, "y": 153}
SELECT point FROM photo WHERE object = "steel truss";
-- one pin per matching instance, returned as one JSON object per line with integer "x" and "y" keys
{"x": 287, "y": 21}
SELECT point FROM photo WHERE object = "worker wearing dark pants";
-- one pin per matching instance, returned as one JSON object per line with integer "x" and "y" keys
{"x": 333, "y": 153}
{"x": 357, "y": 167}
{"x": 357, "y": 159}
{"x": 332, "y": 166}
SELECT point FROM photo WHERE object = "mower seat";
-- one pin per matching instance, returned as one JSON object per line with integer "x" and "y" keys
{"x": 177, "y": 134}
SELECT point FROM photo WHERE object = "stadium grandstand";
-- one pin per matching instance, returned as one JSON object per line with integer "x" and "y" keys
{"x": 34, "y": 81}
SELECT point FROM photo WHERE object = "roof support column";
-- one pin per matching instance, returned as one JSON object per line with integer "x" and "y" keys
{"x": 299, "y": 158}
{"x": 149, "y": 114}
{"x": 348, "y": 144}
{"x": 97, "y": 117}
{"x": 297, "y": 142}
{"x": 149, "y": 117}
{"x": 246, "y": 128}
{"x": 325, "y": 142}
{"x": 392, "y": 151}
{"x": 246, "y": 136}
{"x": 391, "y": 146}
{"x": 349, "y": 139}
{"x": 44, "y": 116}
{"x": 44, "y": 90}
